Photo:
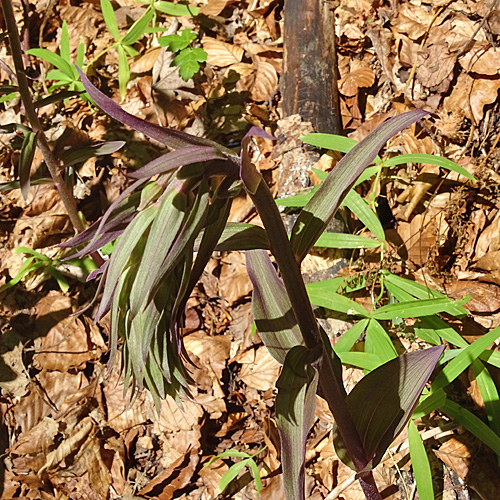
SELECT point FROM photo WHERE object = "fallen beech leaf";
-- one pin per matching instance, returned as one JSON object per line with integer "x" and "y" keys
{"x": 146, "y": 62}
{"x": 265, "y": 80}
{"x": 177, "y": 476}
{"x": 234, "y": 283}
{"x": 485, "y": 297}
{"x": 359, "y": 75}
{"x": 221, "y": 54}
{"x": 260, "y": 370}
{"x": 489, "y": 261}
{"x": 482, "y": 60}
{"x": 214, "y": 7}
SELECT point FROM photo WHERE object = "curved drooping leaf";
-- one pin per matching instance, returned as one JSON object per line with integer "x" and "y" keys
{"x": 420, "y": 463}
{"x": 272, "y": 310}
{"x": 175, "y": 159}
{"x": 28, "y": 149}
{"x": 78, "y": 155}
{"x": 240, "y": 236}
{"x": 322, "y": 207}
{"x": 171, "y": 138}
{"x": 295, "y": 406}
{"x": 382, "y": 402}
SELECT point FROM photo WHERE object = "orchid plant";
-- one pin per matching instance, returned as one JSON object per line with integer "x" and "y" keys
{"x": 171, "y": 219}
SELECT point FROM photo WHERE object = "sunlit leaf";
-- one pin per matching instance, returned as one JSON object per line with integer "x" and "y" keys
{"x": 431, "y": 160}
{"x": 318, "y": 212}
{"x": 397, "y": 385}
{"x": 420, "y": 463}
{"x": 343, "y": 240}
{"x": 137, "y": 29}
{"x": 169, "y": 137}
{"x": 110, "y": 19}
{"x": 461, "y": 362}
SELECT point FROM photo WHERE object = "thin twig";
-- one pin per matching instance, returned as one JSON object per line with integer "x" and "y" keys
{"x": 53, "y": 164}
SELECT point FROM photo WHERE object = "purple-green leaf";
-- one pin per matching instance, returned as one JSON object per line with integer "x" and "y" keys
{"x": 28, "y": 149}
{"x": 175, "y": 159}
{"x": 240, "y": 236}
{"x": 171, "y": 138}
{"x": 322, "y": 207}
{"x": 382, "y": 402}
{"x": 272, "y": 310}
{"x": 79, "y": 155}
{"x": 295, "y": 406}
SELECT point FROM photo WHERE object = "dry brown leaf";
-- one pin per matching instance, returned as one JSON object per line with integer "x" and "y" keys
{"x": 418, "y": 237}
{"x": 177, "y": 476}
{"x": 359, "y": 75}
{"x": 173, "y": 418}
{"x": 122, "y": 413}
{"x": 212, "y": 351}
{"x": 485, "y": 297}
{"x": 234, "y": 283}
{"x": 68, "y": 345}
{"x": 416, "y": 191}
{"x": 146, "y": 61}
{"x": 265, "y": 80}
{"x": 14, "y": 379}
{"x": 482, "y": 60}
{"x": 221, "y": 54}
{"x": 483, "y": 92}
{"x": 490, "y": 261}
{"x": 260, "y": 370}
{"x": 54, "y": 389}
{"x": 39, "y": 439}
{"x": 489, "y": 239}
{"x": 435, "y": 67}
{"x": 214, "y": 7}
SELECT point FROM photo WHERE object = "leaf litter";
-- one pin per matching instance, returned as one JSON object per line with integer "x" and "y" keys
{"x": 71, "y": 431}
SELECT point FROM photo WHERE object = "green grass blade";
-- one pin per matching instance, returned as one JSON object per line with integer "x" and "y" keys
{"x": 461, "y": 362}
{"x": 430, "y": 159}
{"x": 420, "y": 463}
{"x": 489, "y": 394}
{"x": 54, "y": 59}
{"x": 123, "y": 71}
{"x": 415, "y": 309}
{"x": 360, "y": 208}
{"x": 176, "y": 9}
{"x": 137, "y": 29}
{"x": 473, "y": 424}
{"x": 65, "y": 43}
{"x": 110, "y": 19}
{"x": 363, "y": 360}
{"x": 429, "y": 403}
{"x": 378, "y": 342}
{"x": 321, "y": 294}
{"x": 345, "y": 343}
{"x": 342, "y": 240}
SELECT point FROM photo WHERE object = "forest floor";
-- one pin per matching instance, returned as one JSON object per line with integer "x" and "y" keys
{"x": 68, "y": 431}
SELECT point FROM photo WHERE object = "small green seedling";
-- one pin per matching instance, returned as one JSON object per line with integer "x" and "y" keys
{"x": 45, "y": 267}
{"x": 188, "y": 58}
{"x": 236, "y": 468}
{"x": 65, "y": 73}
{"x": 123, "y": 44}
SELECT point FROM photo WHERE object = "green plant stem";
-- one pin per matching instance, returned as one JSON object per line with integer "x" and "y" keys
{"x": 51, "y": 161}
{"x": 99, "y": 56}
{"x": 295, "y": 287}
